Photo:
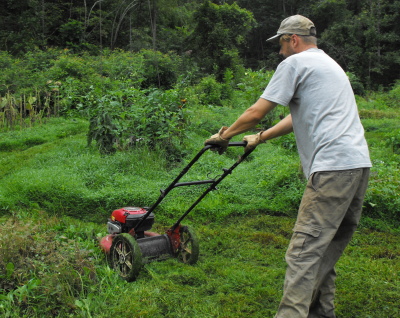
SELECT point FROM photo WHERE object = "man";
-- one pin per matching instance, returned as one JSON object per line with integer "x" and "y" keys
{"x": 335, "y": 159}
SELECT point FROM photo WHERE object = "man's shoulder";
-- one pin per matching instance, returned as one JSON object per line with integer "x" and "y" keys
{"x": 309, "y": 59}
{"x": 308, "y": 54}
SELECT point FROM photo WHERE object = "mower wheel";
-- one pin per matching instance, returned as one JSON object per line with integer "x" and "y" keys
{"x": 188, "y": 251}
{"x": 125, "y": 256}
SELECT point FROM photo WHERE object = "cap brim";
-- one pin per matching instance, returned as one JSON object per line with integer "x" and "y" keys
{"x": 274, "y": 38}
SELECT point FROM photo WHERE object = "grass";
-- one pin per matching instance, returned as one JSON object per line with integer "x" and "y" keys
{"x": 64, "y": 176}
{"x": 56, "y": 195}
{"x": 240, "y": 272}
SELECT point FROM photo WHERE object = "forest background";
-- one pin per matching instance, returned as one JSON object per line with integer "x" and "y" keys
{"x": 103, "y": 102}
{"x": 362, "y": 36}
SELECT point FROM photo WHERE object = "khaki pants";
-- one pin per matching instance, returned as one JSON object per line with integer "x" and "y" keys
{"x": 328, "y": 216}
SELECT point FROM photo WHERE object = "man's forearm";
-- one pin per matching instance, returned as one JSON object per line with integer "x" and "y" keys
{"x": 284, "y": 127}
{"x": 250, "y": 118}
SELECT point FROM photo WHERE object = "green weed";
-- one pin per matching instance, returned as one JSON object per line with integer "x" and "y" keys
{"x": 45, "y": 268}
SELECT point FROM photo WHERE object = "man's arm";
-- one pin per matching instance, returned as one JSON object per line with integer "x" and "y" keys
{"x": 250, "y": 118}
{"x": 284, "y": 127}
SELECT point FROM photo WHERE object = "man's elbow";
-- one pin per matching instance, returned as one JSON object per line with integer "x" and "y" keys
{"x": 254, "y": 115}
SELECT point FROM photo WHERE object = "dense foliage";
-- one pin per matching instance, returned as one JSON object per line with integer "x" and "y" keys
{"x": 362, "y": 36}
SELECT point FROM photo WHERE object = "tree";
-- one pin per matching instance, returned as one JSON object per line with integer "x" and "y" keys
{"x": 366, "y": 43}
{"x": 220, "y": 31}
{"x": 381, "y": 34}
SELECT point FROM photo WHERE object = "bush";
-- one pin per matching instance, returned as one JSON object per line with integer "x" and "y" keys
{"x": 83, "y": 79}
{"x": 393, "y": 96}
{"x": 69, "y": 65}
{"x": 209, "y": 91}
{"x": 356, "y": 84}
{"x": 253, "y": 83}
{"x": 160, "y": 70}
{"x": 382, "y": 198}
{"x": 152, "y": 118}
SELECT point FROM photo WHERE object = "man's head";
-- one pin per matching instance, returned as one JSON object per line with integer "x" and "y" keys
{"x": 296, "y": 24}
{"x": 295, "y": 34}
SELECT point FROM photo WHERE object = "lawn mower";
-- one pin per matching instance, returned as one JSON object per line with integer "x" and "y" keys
{"x": 130, "y": 244}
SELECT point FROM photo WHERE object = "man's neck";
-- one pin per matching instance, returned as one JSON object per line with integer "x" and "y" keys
{"x": 306, "y": 47}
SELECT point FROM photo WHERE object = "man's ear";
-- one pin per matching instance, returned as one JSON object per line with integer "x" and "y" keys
{"x": 295, "y": 40}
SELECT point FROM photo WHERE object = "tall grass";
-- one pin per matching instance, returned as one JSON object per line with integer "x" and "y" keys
{"x": 51, "y": 167}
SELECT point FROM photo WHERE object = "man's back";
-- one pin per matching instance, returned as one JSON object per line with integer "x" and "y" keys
{"x": 326, "y": 124}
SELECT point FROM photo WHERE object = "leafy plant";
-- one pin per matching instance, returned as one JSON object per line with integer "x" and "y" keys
{"x": 152, "y": 118}
{"x": 209, "y": 91}
{"x": 356, "y": 84}
{"x": 159, "y": 70}
{"x": 103, "y": 131}
{"x": 253, "y": 83}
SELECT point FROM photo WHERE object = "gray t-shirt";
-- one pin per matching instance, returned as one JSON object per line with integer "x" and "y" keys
{"x": 328, "y": 130}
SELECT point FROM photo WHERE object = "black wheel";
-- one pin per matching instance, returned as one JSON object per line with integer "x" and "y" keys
{"x": 188, "y": 251}
{"x": 125, "y": 256}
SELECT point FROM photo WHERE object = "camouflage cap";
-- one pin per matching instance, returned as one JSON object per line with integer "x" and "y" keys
{"x": 296, "y": 24}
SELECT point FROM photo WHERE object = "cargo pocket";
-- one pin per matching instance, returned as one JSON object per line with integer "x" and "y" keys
{"x": 301, "y": 236}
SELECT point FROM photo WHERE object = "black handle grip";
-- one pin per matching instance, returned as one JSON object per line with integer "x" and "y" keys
{"x": 238, "y": 144}
{"x": 231, "y": 144}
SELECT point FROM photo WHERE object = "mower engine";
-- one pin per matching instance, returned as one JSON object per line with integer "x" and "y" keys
{"x": 129, "y": 247}
{"x": 125, "y": 219}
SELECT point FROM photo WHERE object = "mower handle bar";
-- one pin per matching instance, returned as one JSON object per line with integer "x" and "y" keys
{"x": 182, "y": 184}
{"x": 213, "y": 182}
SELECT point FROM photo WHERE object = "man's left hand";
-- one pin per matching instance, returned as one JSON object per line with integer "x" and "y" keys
{"x": 253, "y": 141}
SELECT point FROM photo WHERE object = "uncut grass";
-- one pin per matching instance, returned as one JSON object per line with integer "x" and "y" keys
{"x": 64, "y": 175}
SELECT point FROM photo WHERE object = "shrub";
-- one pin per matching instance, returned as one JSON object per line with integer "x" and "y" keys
{"x": 210, "y": 91}
{"x": 69, "y": 65}
{"x": 382, "y": 198}
{"x": 393, "y": 96}
{"x": 152, "y": 118}
{"x": 253, "y": 83}
{"x": 160, "y": 70}
{"x": 83, "y": 79}
{"x": 393, "y": 141}
{"x": 356, "y": 84}
{"x": 103, "y": 129}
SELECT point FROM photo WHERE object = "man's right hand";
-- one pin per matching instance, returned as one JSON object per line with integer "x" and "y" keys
{"x": 217, "y": 140}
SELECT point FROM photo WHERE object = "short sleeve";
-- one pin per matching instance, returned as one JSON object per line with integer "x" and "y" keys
{"x": 282, "y": 86}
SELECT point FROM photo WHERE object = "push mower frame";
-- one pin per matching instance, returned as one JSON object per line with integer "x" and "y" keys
{"x": 127, "y": 251}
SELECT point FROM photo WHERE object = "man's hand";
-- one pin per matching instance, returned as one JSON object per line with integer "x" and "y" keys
{"x": 253, "y": 141}
{"x": 217, "y": 140}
